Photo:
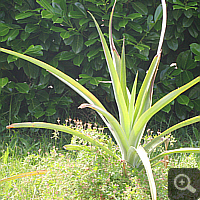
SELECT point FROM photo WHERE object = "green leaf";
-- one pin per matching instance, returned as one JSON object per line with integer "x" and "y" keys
{"x": 173, "y": 44}
{"x": 46, "y": 14}
{"x": 140, "y": 7}
{"x": 136, "y": 27}
{"x": 22, "y": 87}
{"x": 4, "y": 30}
{"x": 184, "y": 59}
{"x": 24, "y": 35}
{"x": 158, "y": 13}
{"x": 75, "y": 14}
{"x": 167, "y": 108}
{"x": 50, "y": 111}
{"x": 193, "y": 31}
{"x": 57, "y": 20}
{"x": 123, "y": 22}
{"x": 83, "y": 21}
{"x": 31, "y": 70}
{"x": 147, "y": 165}
{"x": 13, "y": 34}
{"x": 134, "y": 16}
{"x": 183, "y": 99}
{"x": 42, "y": 96}
{"x": 66, "y": 130}
{"x": 45, "y": 4}
{"x": 11, "y": 58}
{"x": 57, "y": 29}
{"x": 65, "y": 34}
{"x": 187, "y": 21}
{"x": 34, "y": 50}
{"x": 95, "y": 80}
{"x": 78, "y": 60}
{"x": 195, "y": 48}
{"x": 182, "y": 150}
{"x": 90, "y": 42}
{"x": 66, "y": 55}
{"x": 3, "y": 82}
{"x": 81, "y": 8}
{"x": 159, "y": 140}
{"x": 77, "y": 44}
{"x": 39, "y": 114}
{"x": 23, "y": 15}
{"x": 93, "y": 52}
{"x": 29, "y": 28}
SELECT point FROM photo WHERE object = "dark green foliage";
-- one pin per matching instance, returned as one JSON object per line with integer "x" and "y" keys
{"x": 63, "y": 34}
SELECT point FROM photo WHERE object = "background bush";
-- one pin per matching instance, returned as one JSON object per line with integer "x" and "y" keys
{"x": 63, "y": 34}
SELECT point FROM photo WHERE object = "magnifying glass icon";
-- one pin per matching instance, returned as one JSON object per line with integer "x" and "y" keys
{"x": 183, "y": 183}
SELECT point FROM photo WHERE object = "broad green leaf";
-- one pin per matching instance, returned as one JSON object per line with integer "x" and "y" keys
{"x": 50, "y": 111}
{"x": 182, "y": 150}
{"x": 57, "y": 20}
{"x": 46, "y": 14}
{"x": 13, "y": 34}
{"x": 183, "y": 99}
{"x": 178, "y": 2}
{"x": 64, "y": 34}
{"x": 184, "y": 59}
{"x": 77, "y": 44}
{"x": 173, "y": 44}
{"x": 187, "y": 21}
{"x": 134, "y": 16}
{"x": 81, "y": 8}
{"x": 75, "y": 14}
{"x": 78, "y": 60}
{"x": 57, "y": 29}
{"x": 38, "y": 172}
{"x": 158, "y": 13}
{"x": 93, "y": 52}
{"x": 45, "y": 4}
{"x": 63, "y": 129}
{"x": 83, "y": 21}
{"x": 59, "y": 86}
{"x": 4, "y": 30}
{"x": 90, "y": 42}
{"x": 193, "y": 31}
{"x": 140, "y": 7}
{"x": 23, "y": 15}
{"x": 39, "y": 113}
{"x": 31, "y": 70}
{"x": 22, "y": 87}
{"x": 34, "y": 50}
{"x": 122, "y": 23}
{"x": 3, "y": 82}
{"x": 136, "y": 27}
{"x": 66, "y": 55}
{"x": 42, "y": 96}
{"x": 95, "y": 80}
{"x": 29, "y": 28}
{"x": 195, "y": 48}
{"x": 24, "y": 35}
{"x": 158, "y": 140}
{"x": 11, "y": 58}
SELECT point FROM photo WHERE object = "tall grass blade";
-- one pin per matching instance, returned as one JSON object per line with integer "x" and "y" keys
{"x": 39, "y": 172}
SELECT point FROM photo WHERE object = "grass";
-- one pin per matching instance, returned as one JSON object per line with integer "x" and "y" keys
{"x": 83, "y": 174}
